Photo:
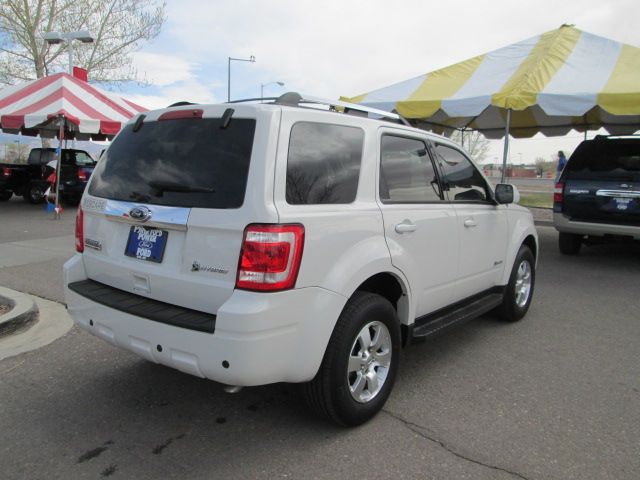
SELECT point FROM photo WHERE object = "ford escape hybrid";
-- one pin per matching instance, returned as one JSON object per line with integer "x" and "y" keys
{"x": 260, "y": 243}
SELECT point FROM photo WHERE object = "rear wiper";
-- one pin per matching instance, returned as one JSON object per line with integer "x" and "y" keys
{"x": 139, "y": 197}
{"x": 161, "y": 187}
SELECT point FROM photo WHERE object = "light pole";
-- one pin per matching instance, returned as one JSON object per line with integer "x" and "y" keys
{"x": 262, "y": 85}
{"x": 251, "y": 59}
{"x": 53, "y": 38}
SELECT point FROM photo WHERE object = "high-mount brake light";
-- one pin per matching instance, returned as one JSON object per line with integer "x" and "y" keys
{"x": 270, "y": 257}
{"x": 80, "y": 230}
{"x": 181, "y": 114}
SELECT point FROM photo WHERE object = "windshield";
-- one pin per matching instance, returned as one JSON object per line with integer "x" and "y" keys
{"x": 183, "y": 163}
{"x": 615, "y": 160}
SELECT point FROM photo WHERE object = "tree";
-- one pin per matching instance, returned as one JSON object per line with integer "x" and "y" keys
{"x": 119, "y": 27}
{"x": 16, "y": 152}
{"x": 474, "y": 142}
{"x": 543, "y": 166}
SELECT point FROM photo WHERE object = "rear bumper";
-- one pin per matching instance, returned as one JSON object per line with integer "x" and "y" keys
{"x": 72, "y": 188}
{"x": 259, "y": 338}
{"x": 564, "y": 224}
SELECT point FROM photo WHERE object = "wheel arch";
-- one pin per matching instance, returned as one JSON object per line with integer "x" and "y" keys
{"x": 523, "y": 233}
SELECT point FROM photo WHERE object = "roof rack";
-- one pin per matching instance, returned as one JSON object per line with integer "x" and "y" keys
{"x": 294, "y": 99}
{"x": 606, "y": 137}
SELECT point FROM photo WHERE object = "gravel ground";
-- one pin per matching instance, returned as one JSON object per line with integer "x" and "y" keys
{"x": 4, "y": 308}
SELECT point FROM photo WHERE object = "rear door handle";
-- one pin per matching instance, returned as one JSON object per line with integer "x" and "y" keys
{"x": 406, "y": 227}
{"x": 470, "y": 222}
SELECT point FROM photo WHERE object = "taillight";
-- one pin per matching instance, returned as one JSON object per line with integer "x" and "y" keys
{"x": 270, "y": 257}
{"x": 6, "y": 172}
{"x": 82, "y": 175}
{"x": 558, "y": 192}
{"x": 80, "y": 231}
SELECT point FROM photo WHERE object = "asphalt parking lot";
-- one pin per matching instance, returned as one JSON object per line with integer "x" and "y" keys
{"x": 555, "y": 396}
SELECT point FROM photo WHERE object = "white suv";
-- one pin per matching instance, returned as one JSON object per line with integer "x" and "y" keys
{"x": 273, "y": 242}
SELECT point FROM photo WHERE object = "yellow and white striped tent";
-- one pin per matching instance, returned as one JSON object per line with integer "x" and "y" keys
{"x": 561, "y": 80}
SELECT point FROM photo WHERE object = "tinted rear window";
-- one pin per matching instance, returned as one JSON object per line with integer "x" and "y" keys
{"x": 187, "y": 154}
{"x": 323, "y": 165}
{"x": 606, "y": 160}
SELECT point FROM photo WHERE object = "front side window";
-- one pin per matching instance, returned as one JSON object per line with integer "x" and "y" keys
{"x": 323, "y": 165}
{"x": 462, "y": 181}
{"x": 406, "y": 172}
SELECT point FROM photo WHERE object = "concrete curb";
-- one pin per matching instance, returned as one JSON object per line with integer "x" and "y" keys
{"x": 23, "y": 314}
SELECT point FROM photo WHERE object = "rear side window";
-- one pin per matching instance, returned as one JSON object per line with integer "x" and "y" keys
{"x": 182, "y": 163}
{"x": 84, "y": 160}
{"x": 406, "y": 172}
{"x": 462, "y": 181}
{"x": 323, "y": 165}
{"x": 605, "y": 160}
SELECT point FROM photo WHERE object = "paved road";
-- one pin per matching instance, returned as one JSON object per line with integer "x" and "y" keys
{"x": 33, "y": 248}
{"x": 556, "y": 396}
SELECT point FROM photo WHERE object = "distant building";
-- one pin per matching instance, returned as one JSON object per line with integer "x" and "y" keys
{"x": 521, "y": 171}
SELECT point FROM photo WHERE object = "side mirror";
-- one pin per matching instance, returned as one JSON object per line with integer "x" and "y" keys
{"x": 506, "y": 193}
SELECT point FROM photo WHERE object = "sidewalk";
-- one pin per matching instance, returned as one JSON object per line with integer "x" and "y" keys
{"x": 48, "y": 321}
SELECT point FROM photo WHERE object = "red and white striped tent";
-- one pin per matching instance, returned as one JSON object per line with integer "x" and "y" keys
{"x": 36, "y": 107}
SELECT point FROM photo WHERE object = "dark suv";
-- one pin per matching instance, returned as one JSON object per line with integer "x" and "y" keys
{"x": 597, "y": 198}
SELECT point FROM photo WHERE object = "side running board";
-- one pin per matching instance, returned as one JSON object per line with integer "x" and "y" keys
{"x": 460, "y": 313}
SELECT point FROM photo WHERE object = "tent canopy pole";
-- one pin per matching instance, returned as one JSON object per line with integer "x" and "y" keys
{"x": 57, "y": 209}
{"x": 505, "y": 154}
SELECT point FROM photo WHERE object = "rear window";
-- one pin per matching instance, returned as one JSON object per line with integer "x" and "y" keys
{"x": 182, "y": 163}
{"x": 605, "y": 160}
{"x": 323, "y": 165}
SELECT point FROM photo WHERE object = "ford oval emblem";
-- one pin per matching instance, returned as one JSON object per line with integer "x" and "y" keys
{"x": 141, "y": 214}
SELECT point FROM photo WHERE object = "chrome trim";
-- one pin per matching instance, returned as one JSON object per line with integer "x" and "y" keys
{"x": 168, "y": 218}
{"x": 618, "y": 193}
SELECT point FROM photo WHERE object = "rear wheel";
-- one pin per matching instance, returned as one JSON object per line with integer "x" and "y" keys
{"x": 5, "y": 195}
{"x": 569, "y": 243}
{"x": 519, "y": 291}
{"x": 34, "y": 193}
{"x": 360, "y": 364}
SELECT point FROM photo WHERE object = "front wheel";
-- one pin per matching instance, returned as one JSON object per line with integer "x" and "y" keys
{"x": 360, "y": 364}
{"x": 519, "y": 291}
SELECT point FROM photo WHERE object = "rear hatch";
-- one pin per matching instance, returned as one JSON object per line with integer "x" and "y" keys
{"x": 77, "y": 167}
{"x": 602, "y": 182}
{"x": 163, "y": 214}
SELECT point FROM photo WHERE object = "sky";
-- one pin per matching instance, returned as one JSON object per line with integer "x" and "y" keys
{"x": 343, "y": 48}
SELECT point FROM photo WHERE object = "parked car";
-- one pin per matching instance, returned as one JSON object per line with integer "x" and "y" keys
{"x": 597, "y": 198}
{"x": 260, "y": 243}
{"x": 27, "y": 180}
{"x": 31, "y": 180}
{"x": 76, "y": 169}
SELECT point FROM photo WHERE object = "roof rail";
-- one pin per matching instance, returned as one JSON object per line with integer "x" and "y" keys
{"x": 606, "y": 137}
{"x": 294, "y": 99}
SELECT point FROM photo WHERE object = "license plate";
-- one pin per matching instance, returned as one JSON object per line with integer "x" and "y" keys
{"x": 146, "y": 243}
{"x": 623, "y": 203}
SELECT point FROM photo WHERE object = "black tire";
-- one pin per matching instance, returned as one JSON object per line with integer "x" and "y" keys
{"x": 34, "y": 193}
{"x": 569, "y": 243}
{"x": 516, "y": 301}
{"x": 329, "y": 394}
{"x": 5, "y": 195}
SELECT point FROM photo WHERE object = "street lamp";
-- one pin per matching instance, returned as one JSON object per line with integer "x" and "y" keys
{"x": 53, "y": 38}
{"x": 251, "y": 59}
{"x": 262, "y": 85}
